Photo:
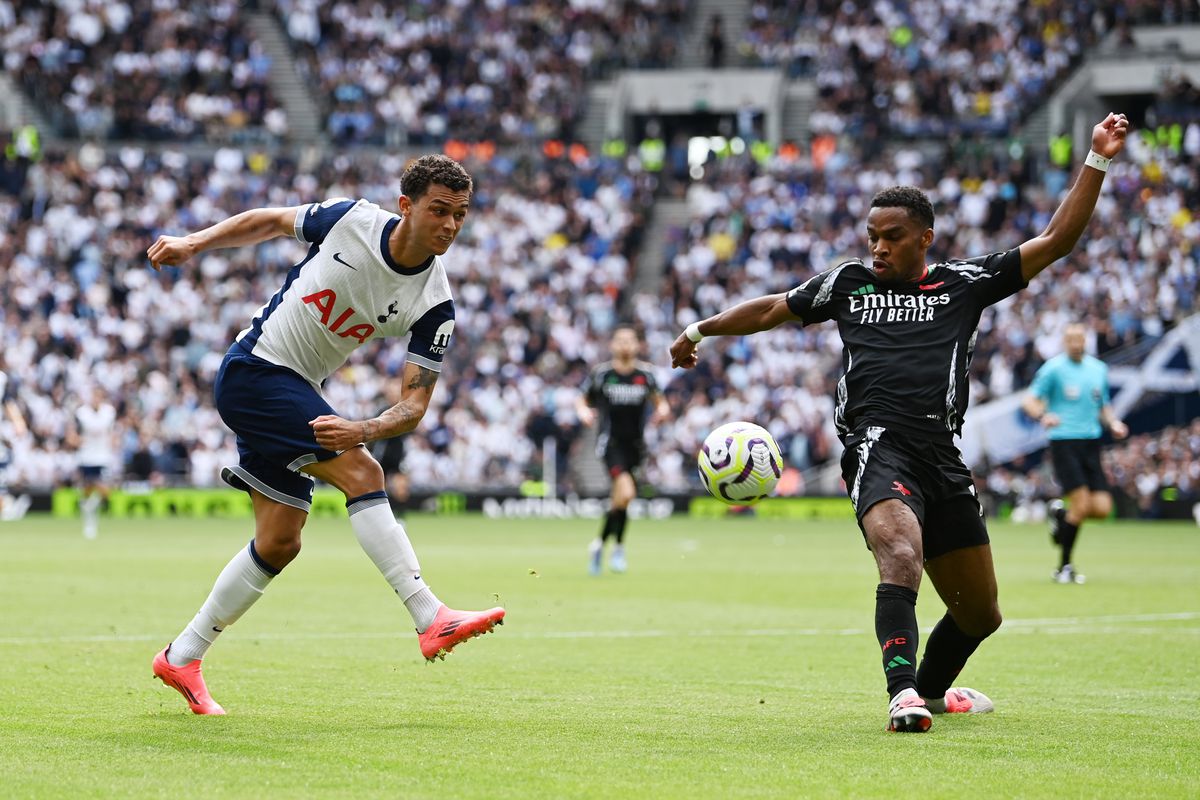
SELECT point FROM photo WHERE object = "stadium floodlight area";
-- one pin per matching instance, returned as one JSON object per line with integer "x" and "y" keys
{"x": 998, "y": 432}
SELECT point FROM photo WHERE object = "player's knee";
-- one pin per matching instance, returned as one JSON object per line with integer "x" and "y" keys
{"x": 989, "y": 622}
{"x": 1100, "y": 506}
{"x": 981, "y": 622}
{"x": 277, "y": 548}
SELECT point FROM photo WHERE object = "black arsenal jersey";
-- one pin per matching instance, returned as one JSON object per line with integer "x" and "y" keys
{"x": 621, "y": 400}
{"x": 907, "y": 347}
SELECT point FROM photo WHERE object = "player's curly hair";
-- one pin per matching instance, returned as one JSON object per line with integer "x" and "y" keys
{"x": 428, "y": 170}
{"x": 909, "y": 197}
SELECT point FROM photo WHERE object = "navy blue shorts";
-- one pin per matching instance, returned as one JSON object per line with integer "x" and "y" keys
{"x": 269, "y": 408}
{"x": 91, "y": 473}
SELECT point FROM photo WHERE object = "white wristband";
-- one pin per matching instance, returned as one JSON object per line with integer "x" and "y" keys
{"x": 693, "y": 332}
{"x": 1097, "y": 161}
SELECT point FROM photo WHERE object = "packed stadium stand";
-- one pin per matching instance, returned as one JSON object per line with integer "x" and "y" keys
{"x": 558, "y": 234}
{"x": 143, "y": 69}
{"x": 475, "y": 70}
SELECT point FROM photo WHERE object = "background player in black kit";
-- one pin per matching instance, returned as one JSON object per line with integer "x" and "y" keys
{"x": 908, "y": 332}
{"x": 619, "y": 393}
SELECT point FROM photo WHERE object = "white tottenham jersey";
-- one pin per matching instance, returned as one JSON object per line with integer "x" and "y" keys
{"x": 95, "y": 435}
{"x": 348, "y": 290}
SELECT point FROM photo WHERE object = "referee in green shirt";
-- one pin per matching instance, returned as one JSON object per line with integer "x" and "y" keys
{"x": 1069, "y": 396}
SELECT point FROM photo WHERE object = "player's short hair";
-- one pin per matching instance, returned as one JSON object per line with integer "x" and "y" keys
{"x": 428, "y": 170}
{"x": 907, "y": 197}
{"x": 627, "y": 326}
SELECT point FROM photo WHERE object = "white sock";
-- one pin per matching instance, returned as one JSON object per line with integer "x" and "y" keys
{"x": 238, "y": 586}
{"x": 384, "y": 541}
{"x": 90, "y": 508}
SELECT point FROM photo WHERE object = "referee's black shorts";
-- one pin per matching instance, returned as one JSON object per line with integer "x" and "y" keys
{"x": 1077, "y": 464}
{"x": 924, "y": 472}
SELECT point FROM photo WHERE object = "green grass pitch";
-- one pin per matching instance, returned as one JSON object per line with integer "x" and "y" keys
{"x": 735, "y": 659}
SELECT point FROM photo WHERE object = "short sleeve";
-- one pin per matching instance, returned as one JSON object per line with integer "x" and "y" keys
{"x": 314, "y": 221}
{"x": 1043, "y": 382}
{"x": 430, "y": 336}
{"x": 812, "y": 301}
{"x": 1105, "y": 396}
{"x": 993, "y": 277}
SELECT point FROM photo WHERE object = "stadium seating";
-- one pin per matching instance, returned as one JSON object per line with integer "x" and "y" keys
{"x": 144, "y": 70}
{"x": 928, "y": 67}
{"x": 478, "y": 71}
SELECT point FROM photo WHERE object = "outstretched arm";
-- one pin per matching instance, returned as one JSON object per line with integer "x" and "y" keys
{"x": 249, "y": 227}
{"x": 1069, "y": 221}
{"x": 752, "y": 316}
{"x": 337, "y": 434}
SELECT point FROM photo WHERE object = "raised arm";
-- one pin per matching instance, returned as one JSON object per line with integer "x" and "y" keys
{"x": 1071, "y": 218}
{"x": 752, "y": 316}
{"x": 338, "y": 434}
{"x": 248, "y": 227}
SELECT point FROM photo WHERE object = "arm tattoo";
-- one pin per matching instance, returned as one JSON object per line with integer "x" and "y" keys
{"x": 423, "y": 379}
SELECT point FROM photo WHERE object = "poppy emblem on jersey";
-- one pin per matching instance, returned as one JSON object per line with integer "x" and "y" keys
{"x": 901, "y": 488}
{"x": 393, "y": 310}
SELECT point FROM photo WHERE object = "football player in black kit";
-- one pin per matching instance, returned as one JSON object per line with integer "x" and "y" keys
{"x": 619, "y": 393}
{"x": 908, "y": 330}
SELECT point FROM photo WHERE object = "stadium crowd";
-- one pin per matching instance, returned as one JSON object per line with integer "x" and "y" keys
{"x": 142, "y": 69}
{"x": 478, "y": 69}
{"x": 932, "y": 67}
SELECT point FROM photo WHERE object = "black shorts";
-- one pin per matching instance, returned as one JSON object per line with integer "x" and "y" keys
{"x": 926, "y": 473}
{"x": 1077, "y": 463}
{"x": 620, "y": 456}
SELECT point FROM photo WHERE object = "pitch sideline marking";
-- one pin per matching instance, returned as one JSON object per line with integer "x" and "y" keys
{"x": 1053, "y": 625}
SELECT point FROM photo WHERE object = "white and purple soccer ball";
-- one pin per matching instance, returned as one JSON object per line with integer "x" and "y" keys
{"x": 740, "y": 463}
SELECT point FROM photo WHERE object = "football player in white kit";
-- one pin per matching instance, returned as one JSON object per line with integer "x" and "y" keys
{"x": 94, "y": 421}
{"x": 368, "y": 273}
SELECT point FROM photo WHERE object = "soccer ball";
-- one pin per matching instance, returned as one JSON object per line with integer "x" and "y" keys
{"x": 740, "y": 463}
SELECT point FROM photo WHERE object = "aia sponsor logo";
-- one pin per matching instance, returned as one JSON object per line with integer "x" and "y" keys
{"x": 325, "y": 302}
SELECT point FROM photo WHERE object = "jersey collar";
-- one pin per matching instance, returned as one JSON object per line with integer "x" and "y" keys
{"x": 388, "y": 227}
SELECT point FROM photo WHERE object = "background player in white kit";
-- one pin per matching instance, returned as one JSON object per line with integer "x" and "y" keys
{"x": 368, "y": 273}
{"x": 94, "y": 422}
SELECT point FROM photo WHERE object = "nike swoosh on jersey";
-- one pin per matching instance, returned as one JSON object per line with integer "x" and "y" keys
{"x": 337, "y": 257}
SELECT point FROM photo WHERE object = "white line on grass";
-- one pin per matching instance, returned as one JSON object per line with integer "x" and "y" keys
{"x": 1055, "y": 625}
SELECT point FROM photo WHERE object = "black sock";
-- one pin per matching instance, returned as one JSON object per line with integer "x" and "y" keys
{"x": 946, "y": 653}
{"x": 618, "y": 517}
{"x": 1067, "y": 534}
{"x": 896, "y": 629}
